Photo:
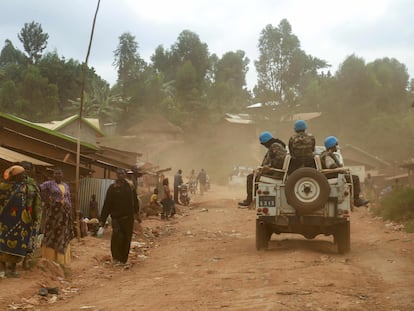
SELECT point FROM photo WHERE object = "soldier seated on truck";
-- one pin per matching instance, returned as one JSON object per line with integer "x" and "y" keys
{"x": 301, "y": 147}
{"x": 275, "y": 158}
{"x": 330, "y": 161}
{"x": 266, "y": 139}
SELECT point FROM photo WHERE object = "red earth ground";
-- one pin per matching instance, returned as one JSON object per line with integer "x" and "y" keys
{"x": 205, "y": 259}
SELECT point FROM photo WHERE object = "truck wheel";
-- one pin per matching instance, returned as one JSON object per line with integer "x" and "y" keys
{"x": 307, "y": 190}
{"x": 262, "y": 236}
{"x": 342, "y": 237}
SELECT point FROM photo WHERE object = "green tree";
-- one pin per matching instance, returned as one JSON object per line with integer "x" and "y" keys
{"x": 183, "y": 80}
{"x": 66, "y": 75}
{"x": 39, "y": 99}
{"x": 34, "y": 40}
{"x": 162, "y": 63}
{"x": 189, "y": 48}
{"x": 282, "y": 65}
{"x": 8, "y": 96}
{"x": 392, "y": 81}
{"x": 228, "y": 92}
{"x": 99, "y": 103}
{"x": 10, "y": 55}
{"x": 127, "y": 60}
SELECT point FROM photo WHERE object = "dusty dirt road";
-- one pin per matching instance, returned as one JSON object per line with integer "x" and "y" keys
{"x": 205, "y": 259}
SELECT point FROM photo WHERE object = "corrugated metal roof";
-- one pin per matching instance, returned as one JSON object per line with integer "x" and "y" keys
{"x": 400, "y": 176}
{"x": 14, "y": 157}
{"x": 239, "y": 118}
{"x": 306, "y": 116}
{"x": 57, "y": 125}
{"x": 27, "y": 124}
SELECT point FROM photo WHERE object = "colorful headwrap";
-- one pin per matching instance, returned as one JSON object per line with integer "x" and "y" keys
{"x": 13, "y": 171}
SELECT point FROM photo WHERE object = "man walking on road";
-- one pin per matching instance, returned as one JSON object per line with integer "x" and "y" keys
{"x": 121, "y": 202}
{"x": 202, "y": 180}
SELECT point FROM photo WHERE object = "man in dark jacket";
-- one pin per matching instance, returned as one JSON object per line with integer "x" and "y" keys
{"x": 266, "y": 139}
{"x": 121, "y": 202}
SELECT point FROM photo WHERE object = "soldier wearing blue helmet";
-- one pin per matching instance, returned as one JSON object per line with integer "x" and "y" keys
{"x": 266, "y": 139}
{"x": 301, "y": 147}
{"x": 329, "y": 159}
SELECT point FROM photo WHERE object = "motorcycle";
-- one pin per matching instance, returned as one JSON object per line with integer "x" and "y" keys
{"x": 184, "y": 194}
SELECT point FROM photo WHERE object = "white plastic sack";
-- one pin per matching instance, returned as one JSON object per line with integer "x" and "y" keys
{"x": 100, "y": 232}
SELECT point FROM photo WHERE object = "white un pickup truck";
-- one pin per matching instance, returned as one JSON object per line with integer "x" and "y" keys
{"x": 305, "y": 202}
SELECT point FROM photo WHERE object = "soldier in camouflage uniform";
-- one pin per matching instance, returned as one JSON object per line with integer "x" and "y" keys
{"x": 274, "y": 159}
{"x": 329, "y": 160}
{"x": 266, "y": 139}
{"x": 301, "y": 147}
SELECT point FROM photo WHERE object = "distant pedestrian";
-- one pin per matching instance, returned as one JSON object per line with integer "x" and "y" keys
{"x": 167, "y": 201}
{"x": 93, "y": 224}
{"x": 202, "y": 180}
{"x": 178, "y": 181}
{"x": 93, "y": 207}
{"x": 192, "y": 182}
{"x": 369, "y": 186}
{"x": 121, "y": 203}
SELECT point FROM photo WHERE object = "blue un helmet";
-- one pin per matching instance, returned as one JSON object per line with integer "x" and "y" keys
{"x": 265, "y": 137}
{"x": 330, "y": 142}
{"x": 300, "y": 125}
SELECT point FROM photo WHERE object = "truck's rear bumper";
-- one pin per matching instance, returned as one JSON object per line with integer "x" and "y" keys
{"x": 312, "y": 225}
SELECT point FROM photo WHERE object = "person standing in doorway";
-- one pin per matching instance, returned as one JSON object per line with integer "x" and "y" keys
{"x": 121, "y": 203}
{"x": 93, "y": 224}
{"x": 93, "y": 207}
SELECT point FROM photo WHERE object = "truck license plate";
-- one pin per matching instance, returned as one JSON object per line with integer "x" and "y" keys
{"x": 267, "y": 201}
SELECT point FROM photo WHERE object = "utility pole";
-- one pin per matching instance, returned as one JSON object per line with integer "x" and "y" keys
{"x": 84, "y": 71}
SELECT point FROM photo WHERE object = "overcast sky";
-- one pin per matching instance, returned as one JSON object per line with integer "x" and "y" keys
{"x": 327, "y": 29}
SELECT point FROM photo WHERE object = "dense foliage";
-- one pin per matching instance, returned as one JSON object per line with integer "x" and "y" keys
{"x": 194, "y": 88}
{"x": 398, "y": 206}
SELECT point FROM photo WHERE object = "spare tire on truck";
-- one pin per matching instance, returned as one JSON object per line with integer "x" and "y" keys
{"x": 307, "y": 190}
